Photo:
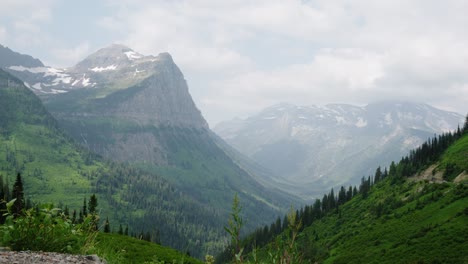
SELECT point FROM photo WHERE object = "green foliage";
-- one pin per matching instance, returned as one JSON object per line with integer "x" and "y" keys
{"x": 117, "y": 249}
{"x": 18, "y": 195}
{"x": 390, "y": 219}
{"x": 234, "y": 228}
{"x": 455, "y": 159}
{"x": 46, "y": 229}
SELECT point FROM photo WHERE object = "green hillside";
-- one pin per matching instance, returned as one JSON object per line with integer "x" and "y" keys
{"x": 120, "y": 249}
{"x": 407, "y": 214}
{"x": 54, "y": 168}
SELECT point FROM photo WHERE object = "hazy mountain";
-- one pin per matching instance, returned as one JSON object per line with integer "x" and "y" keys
{"x": 12, "y": 58}
{"x": 137, "y": 109}
{"x": 311, "y": 149}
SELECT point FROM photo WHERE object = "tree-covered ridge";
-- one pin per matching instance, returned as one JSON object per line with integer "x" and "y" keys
{"x": 342, "y": 227}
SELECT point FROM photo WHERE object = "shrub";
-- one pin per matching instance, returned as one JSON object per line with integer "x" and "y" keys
{"x": 47, "y": 229}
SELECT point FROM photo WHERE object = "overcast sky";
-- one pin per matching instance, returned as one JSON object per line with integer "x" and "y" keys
{"x": 240, "y": 56}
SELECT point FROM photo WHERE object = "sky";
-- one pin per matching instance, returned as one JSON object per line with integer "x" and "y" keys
{"x": 240, "y": 56}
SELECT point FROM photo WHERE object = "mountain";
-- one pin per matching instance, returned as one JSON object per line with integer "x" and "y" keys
{"x": 137, "y": 110}
{"x": 12, "y": 58}
{"x": 311, "y": 149}
{"x": 56, "y": 168}
{"x": 414, "y": 213}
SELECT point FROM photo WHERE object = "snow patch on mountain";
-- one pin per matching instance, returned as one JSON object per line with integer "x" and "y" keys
{"x": 55, "y": 91}
{"x": 37, "y": 86}
{"x": 32, "y": 70}
{"x": 132, "y": 55}
{"x": 361, "y": 122}
{"x": 101, "y": 69}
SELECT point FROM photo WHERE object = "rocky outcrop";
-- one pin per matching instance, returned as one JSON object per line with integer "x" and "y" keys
{"x": 31, "y": 257}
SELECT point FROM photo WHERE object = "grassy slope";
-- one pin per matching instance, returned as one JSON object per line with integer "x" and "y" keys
{"x": 409, "y": 222}
{"x": 123, "y": 249}
{"x": 457, "y": 154}
{"x": 430, "y": 225}
{"x": 49, "y": 163}
{"x": 418, "y": 221}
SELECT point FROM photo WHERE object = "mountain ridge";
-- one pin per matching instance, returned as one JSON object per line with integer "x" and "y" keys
{"x": 294, "y": 141}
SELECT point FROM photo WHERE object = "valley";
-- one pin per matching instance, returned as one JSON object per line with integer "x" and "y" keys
{"x": 123, "y": 126}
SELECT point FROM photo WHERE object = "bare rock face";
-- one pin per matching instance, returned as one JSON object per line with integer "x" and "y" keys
{"x": 163, "y": 98}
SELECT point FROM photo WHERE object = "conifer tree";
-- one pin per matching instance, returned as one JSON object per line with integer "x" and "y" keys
{"x": 378, "y": 175}
{"x": 92, "y": 205}
{"x": 74, "y": 217}
{"x": 66, "y": 212}
{"x": 18, "y": 194}
{"x": 120, "y": 230}
{"x": 126, "y": 230}
{"x": 81, "y": 218}
{"x": 465, "y": 126}
{"x": 107, "y": 226}
{"x": 84, "y": 211}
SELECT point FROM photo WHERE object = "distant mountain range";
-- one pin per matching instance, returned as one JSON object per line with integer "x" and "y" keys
{"x": 311, "y": 149}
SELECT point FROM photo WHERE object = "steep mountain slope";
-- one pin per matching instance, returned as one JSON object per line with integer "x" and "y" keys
{"x": 412, "y": 213}
{"x": 54, "y": 168}
{"x": 312, "y": 149}
{"x": 137, "y": 109}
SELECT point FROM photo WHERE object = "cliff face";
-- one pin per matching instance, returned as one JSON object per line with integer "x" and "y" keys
{"x": 163, "y": 98}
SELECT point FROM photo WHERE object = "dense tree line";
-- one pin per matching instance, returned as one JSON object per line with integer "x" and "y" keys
{"x": 167, "y": 215}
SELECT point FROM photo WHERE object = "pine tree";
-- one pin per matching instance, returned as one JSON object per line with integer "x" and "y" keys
{"x": 92, "y": 206}
{"x": 378, "y": 175}
{"x": 66, "y": 212}
{"x": 81, "y": 218}
{"x": 465, "y": 126}
{"x": 74, "y": 217}
{"x": 126, "y": 230}
{"x": 84, "y": 211}
{"x": 18, "y": 194}
{"x": 120, "y": 230}
{"x": 107, "y": 226}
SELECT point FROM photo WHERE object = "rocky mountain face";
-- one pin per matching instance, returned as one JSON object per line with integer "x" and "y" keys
{"x": 137, "y": 109}
{"x": 311, "y": 149}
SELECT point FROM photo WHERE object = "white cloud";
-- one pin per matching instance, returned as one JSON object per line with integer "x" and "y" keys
{"x": 63, "y": 56}
{"x": 239, "y": 56}
{"x": 3, "y": 34}
{"x": 360, "y": 50}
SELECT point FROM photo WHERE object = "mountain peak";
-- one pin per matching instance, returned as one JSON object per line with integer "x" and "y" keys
{"x": 113, "y": 55}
